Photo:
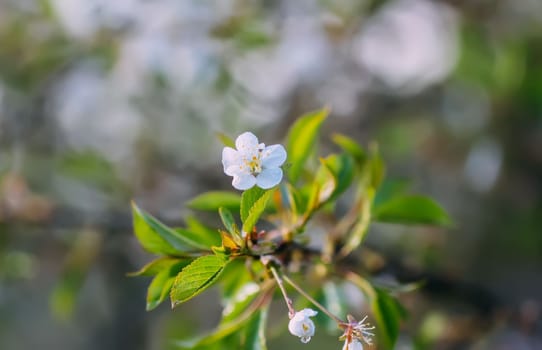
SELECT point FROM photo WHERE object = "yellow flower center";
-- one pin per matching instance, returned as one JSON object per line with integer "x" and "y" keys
{"x": 254, "y": 164}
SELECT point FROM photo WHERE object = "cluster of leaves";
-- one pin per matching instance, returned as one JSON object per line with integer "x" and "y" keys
{"x": 278, "y": 224}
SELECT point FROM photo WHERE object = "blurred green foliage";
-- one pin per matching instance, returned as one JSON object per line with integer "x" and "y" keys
{"x": 125, "y": 103}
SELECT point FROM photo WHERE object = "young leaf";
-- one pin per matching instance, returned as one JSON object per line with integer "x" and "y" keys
{"x": 332, "y": 179}
{"x": 157, "y": 238}
{"x": 196, "y": 277}
{"x": 256, "y": 210}
{"x": 229, "y": 243}
{"x": 161, "y": 284}
{"x": 360, "y": 228}
{"x": 351, "y": 147}
{"x": 154, "y": 267}
{"x": 412, "y": 210}
{"x": 301, "y": 140}
{"x": 342, "y": 169}
{"x": 323, "y": 186}
{"x": 228, "y": 221}
{"x": 248, "y": 199}
{"x": 158, "y": 289}
{"x": 211, "y": 201}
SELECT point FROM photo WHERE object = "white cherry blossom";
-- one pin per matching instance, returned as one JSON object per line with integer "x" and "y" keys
{"x": 301, "y": 325}
{"x": 253, "y": 163}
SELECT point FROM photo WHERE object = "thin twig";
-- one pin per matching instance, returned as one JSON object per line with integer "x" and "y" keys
{"x": 312, "y": 300}
{"x": 289, "y": 303}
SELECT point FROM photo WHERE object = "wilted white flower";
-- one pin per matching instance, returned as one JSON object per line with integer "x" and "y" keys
{"x": 356, "y": 332}
{"x": 362, "y": 331}
{"x": 252, "y": 163}
{"x": 301, "y": 325}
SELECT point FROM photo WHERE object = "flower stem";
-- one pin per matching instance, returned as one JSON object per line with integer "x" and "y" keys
{"x": 340, "y": 322}
{"x": 289, "y": 303}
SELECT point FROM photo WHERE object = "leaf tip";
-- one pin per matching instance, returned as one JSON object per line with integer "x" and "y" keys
{"x": 134, "y": 206}
{"x": 151, "y": 305}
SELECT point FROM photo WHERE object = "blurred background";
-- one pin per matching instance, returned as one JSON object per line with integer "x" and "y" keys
{"x": 106, "y": 101}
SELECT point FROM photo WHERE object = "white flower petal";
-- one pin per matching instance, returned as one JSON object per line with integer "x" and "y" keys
{"x": 301, "y": 325}
{"x": 230, "y": 157}
{"x": 354, "y": 345}
{"x": 308, "y": 312}
{"x": 237, "y": 170}
{"x": 247, "y": 142}
{"x": 243, "y": 181}
{"x": 273, "y": 156}
{"x": 269, "y": 178}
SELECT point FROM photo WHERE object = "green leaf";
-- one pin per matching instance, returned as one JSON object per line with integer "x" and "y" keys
{"x": 256, "y": 210}
{"x": 388, "y": 314}
{"x": 154, "y": 267}
{"x": 322, "y": 187}
{"x": 351, "y": 147}
{"x": 412, "y": 210}
{"x": 196, "y": 277}
{"x": 211, "y": 201}
{"x": 361, "y": 226}
{"x": 389, "y": 190}
{"x": 301, "y": 140}
{"x": 342, "y": 169}
{"x": 199, "y": 241}
{"x": 161, "y": 284}
{"x": 332, "y": 178}
{"x": 248, "y": 198}
{"x": 208, "y": 236}
{"x": 255, "y": 330}
{"x": 228, "y": 221}
{"x": 157, "y": 238}
{"x": 225, "y": 139}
